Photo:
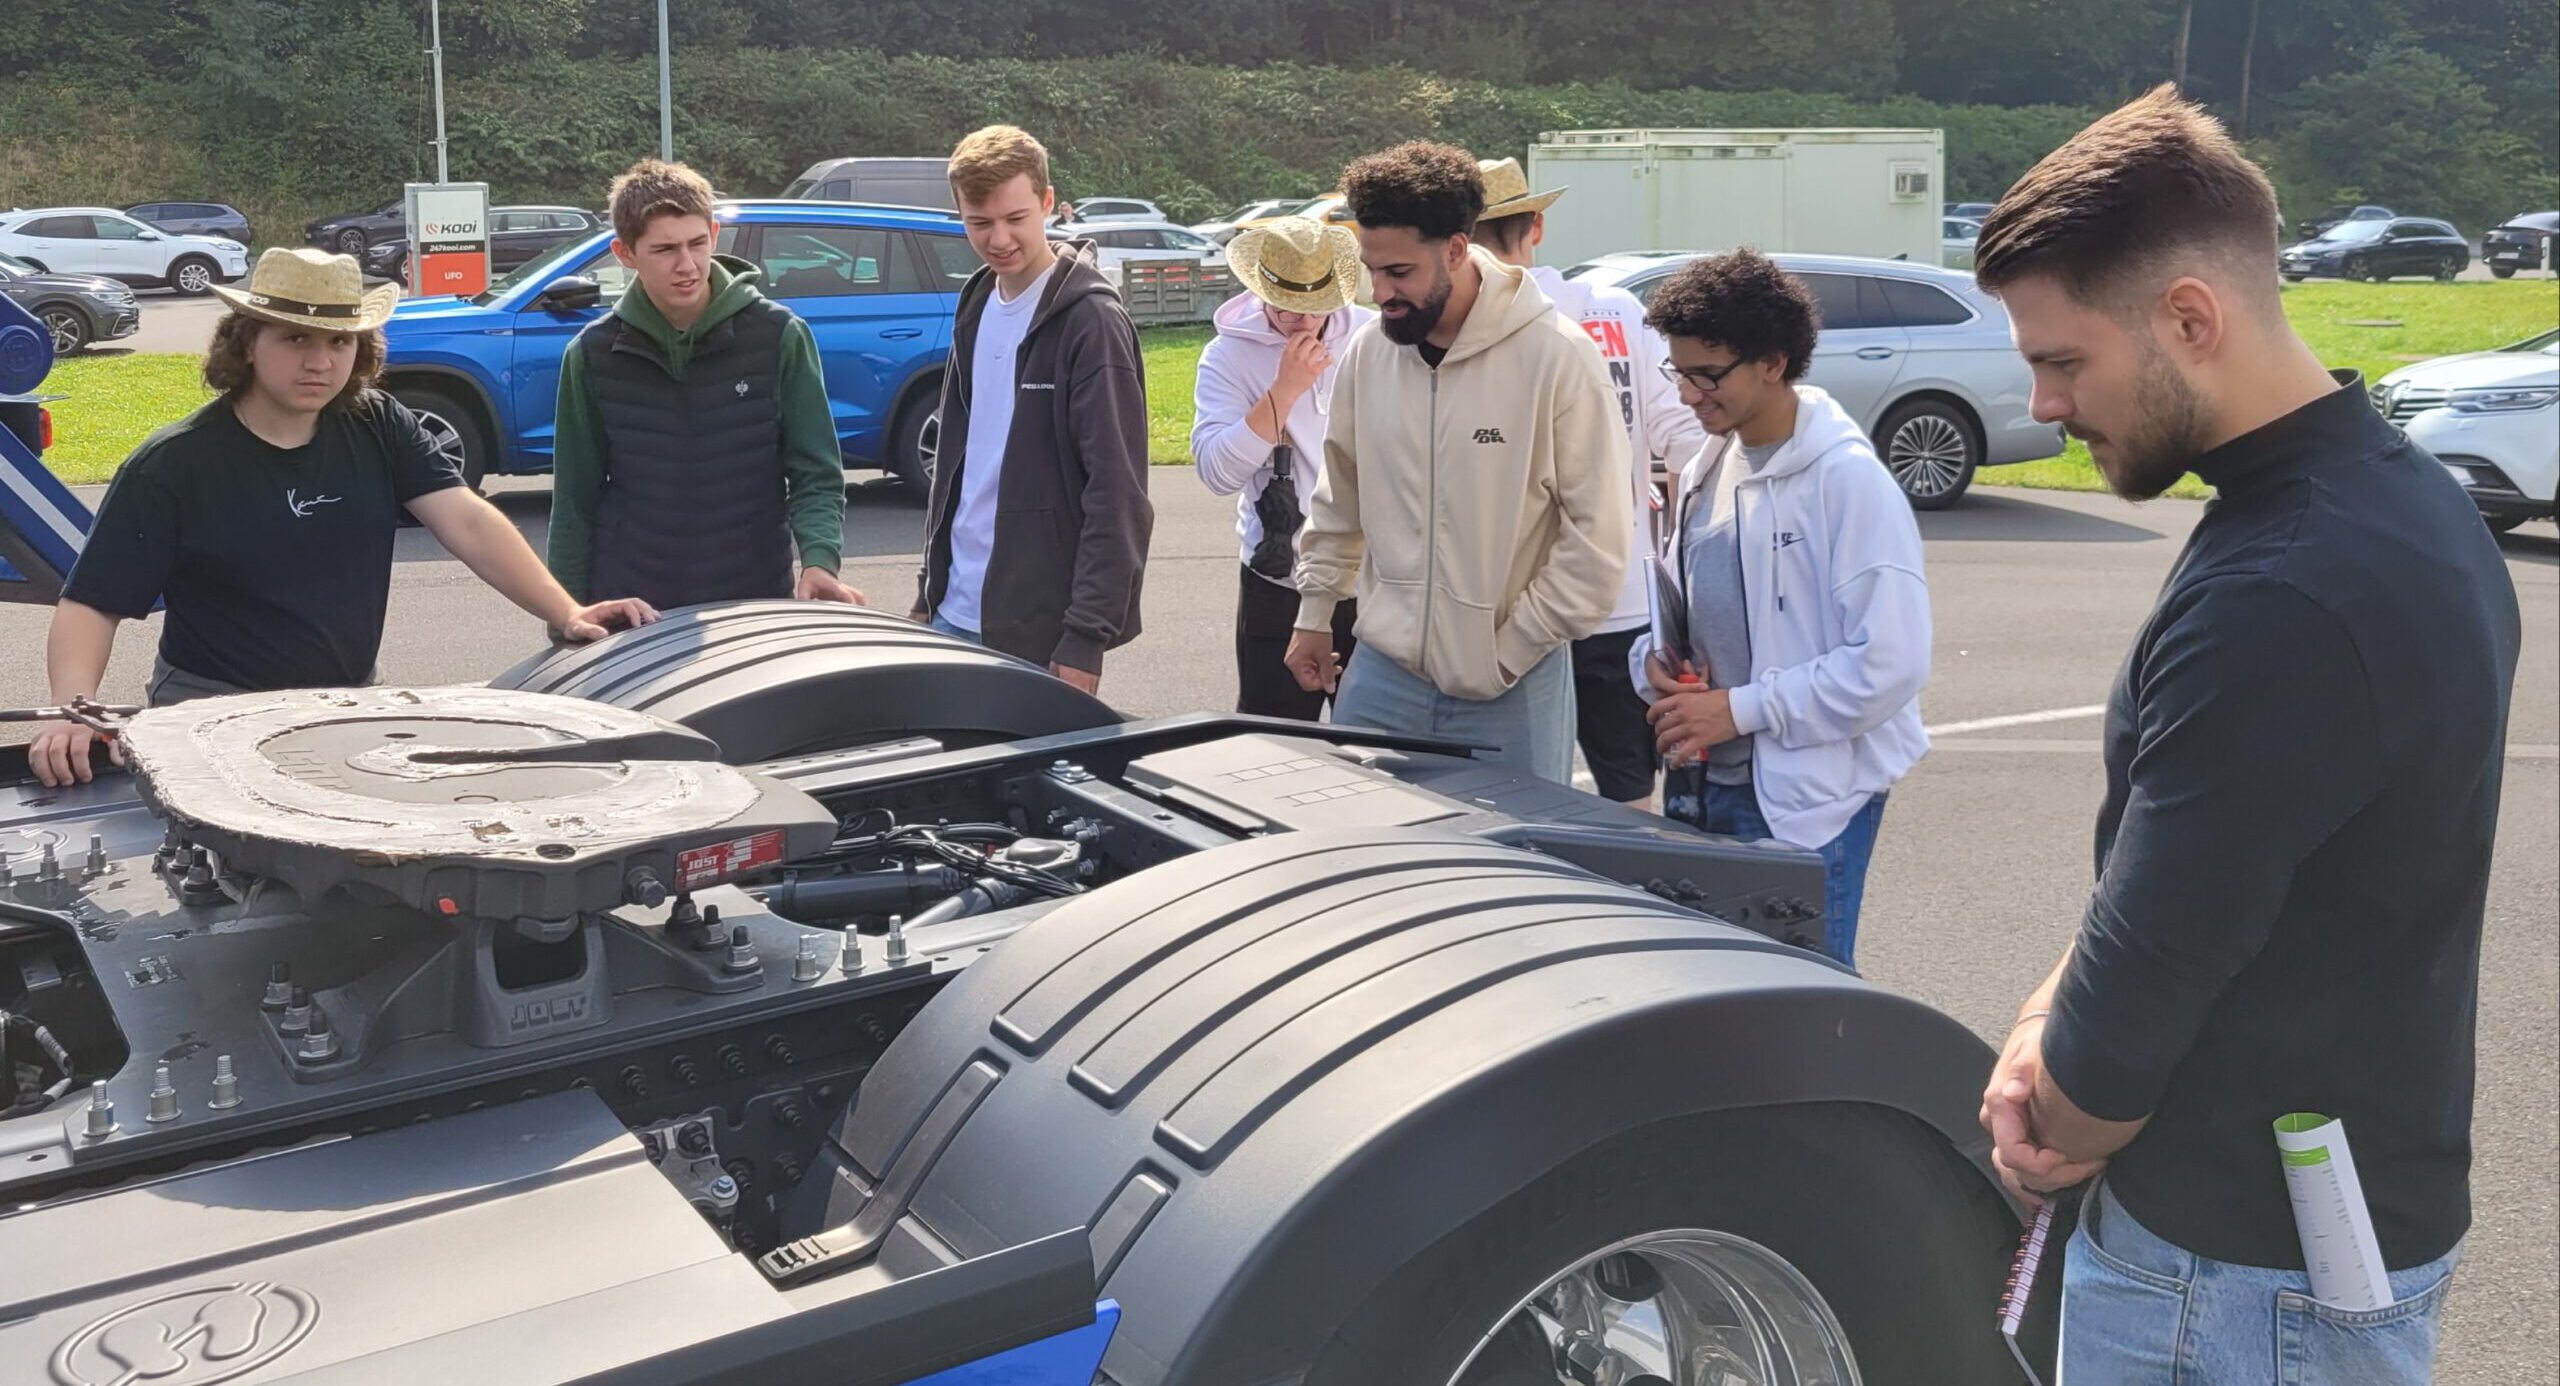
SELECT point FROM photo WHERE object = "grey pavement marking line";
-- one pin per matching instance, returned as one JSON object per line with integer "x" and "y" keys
{"x": 2019, "y": 719}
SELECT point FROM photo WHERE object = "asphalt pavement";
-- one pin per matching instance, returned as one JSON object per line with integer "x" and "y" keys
{"x": 1985, "y": 859}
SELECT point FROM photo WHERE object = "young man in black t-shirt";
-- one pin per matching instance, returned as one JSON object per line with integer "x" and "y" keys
{"x": 2302, "y": 754}
{"x": 265, "y": 519}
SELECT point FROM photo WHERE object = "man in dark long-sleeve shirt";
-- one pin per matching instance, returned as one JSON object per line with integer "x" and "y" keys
{"x": 2303, "y": 755}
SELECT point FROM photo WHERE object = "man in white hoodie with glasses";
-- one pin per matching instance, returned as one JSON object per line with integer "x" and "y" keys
{"x": 1795, "y": 705}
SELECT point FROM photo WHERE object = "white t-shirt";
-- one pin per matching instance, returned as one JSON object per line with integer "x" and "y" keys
{"x": 991, "y": 394}
{"x": 1658, "y": 424}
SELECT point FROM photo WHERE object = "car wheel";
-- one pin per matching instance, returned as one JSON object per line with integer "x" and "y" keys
{"x": 2356, "y": 270}
{"x": 2295, "y": 278}
{"x": 192, "y": 276}
{"x": 1775, "y": 1246}
{"x": 915, "y": 442}
{"x": 68, "y": 328}
{"x": 1932, "y": 449}
{"x": 453, "y": 427}
{"x": 2446, "y": 268}
{"x": 351, "y": 242}
{"x": 2503, "y": 271}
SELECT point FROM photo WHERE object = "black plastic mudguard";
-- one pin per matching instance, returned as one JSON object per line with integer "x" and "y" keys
{"x": 1267, "y": 1074}
{"x": 774, "y": 679}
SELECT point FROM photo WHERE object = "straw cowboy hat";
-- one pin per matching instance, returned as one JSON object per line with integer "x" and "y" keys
{"x": 1506, "y": 191}
{"x": 312, "y": 288}
{"x": 1298, "y": 265}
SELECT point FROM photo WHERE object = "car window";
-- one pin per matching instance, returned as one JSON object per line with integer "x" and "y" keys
{"x": 830, "y": 261}
{"x": 59, "y": 229}
{"x": 146, "y": 211}
{"x": 2352, "y": 232}
{"x": 505, "y": 221}
{"x": 1844, "y": 299}
{"x": 2439, "y": 228}
{"x": 568, "y": 221}
{"x": 953, "y": 261}
{"x": 209, "y": 209}
{"x": 1921, "y": 305}
{"x": 1184, "y": 240}
{"x": 835, "y": 190}
{"x": 117, "y": 229}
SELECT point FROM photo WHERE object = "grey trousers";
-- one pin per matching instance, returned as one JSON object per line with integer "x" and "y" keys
{"x": 171, "y": 684}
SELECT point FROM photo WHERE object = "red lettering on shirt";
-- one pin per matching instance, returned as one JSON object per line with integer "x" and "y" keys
{"x": 1608, "y": 335}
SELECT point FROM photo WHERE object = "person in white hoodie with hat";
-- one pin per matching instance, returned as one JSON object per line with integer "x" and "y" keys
{"x": 1259, "y": 409}
{"x": 1609, "y": 713}
{"x": 1794, "y": 706}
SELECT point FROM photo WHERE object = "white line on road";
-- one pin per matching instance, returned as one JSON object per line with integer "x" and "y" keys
{"x": 2019, "y": 719}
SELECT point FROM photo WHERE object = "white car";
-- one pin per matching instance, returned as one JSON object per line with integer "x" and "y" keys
{"x": 1225, "y": 229}
{"x": 1119, "y": 242}
{"x": 1919, "y": 356}
{"x": 1117, "y": 209}
{"x": 106, "y": 242}
{"x": 1956, "y": 236}
{"x": 2492, "y": 418}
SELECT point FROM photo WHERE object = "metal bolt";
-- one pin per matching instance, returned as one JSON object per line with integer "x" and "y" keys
{"x": 297, "y": 1011}
{"x": 643, "y": 888}
{"x": 8, "y": 873}
{"x": 226, "y": 1085}
{"x": 279, "y": 988}
{"x": 164, "y": 1097}
{"x": 850, "y": 960}
{"x": 684, "y": 1069}
{"x": 318, "y": 1044}
{"x": 808, "y": 966}
{"x": 724, "y": 1187}
{"x": 97, "y": 855}
{"x": 199, "y": 867}
{"x": 48, "y": 868}
{"x": 694, "y": 1140}
{"x": 742, "y": 954}
{"x": 102, "y": 1112}
{"x": 897, "y": 940}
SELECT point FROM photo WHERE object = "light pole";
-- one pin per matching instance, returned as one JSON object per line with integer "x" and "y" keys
{"x": 435, "y": 55}
{"x": 666, "y": 99}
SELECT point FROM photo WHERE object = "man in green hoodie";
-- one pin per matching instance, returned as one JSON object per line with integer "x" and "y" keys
{"x": 696, "y": 453}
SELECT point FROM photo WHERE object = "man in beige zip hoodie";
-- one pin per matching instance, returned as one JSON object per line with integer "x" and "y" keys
{"x": 1475, "y": 495}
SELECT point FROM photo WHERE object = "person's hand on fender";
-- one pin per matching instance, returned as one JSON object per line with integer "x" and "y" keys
{"x": 597, "y": 620}
{"x": 819, "y": 585}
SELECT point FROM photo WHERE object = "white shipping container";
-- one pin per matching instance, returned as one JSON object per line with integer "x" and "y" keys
{"x": 1829, "y": 192}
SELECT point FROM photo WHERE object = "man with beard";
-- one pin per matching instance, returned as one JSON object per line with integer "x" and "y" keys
{"x": 2302, "y": 756}
{"x": 1475, "y": 488}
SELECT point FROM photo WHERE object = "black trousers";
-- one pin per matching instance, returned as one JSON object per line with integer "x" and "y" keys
{"x": 1266, "y": 612}
{"x": 1610, "y": 716}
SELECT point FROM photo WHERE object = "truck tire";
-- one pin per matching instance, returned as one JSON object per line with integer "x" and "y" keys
{"x": 1332, "y": 1104}
{"x": 1826, "y": 1233}
{"x": 453, "y": 426}
{"x": 915, "y": 441}
{"x": 1932, "y": 447}
{"x": 769, "y": 680}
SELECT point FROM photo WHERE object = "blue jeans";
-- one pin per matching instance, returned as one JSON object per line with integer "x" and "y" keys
{"x": 2137, "y": 1308}
{"x": 949, "y": 629}
{"x": 1733, "y": 810}
{"x": 1531, "y": 725}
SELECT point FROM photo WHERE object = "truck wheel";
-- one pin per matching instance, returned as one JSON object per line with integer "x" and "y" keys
{"x": 192, "y": 276}
{"x": 2503, "y": 271}
{"x": 454, "y": 429}
{"x": 915, "y": 442}
{"x": 770, "y": 680}
{"x": 1775, "y": 1246}
{"x": 1932, "y": 449}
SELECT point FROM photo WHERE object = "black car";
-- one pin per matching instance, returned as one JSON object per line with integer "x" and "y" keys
{"x": 2320, "y": 225}
{"x": 517, "y": 236}
{"x": 2524, "y": 242}
{"x": 77, "y": 310}
{"x": 350, "y": 234}
{"x": 2368, "y": 249}
{"x": 195, "y": 219}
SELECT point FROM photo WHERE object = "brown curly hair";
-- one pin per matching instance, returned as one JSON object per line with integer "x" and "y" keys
{"x": 227, "y": 369}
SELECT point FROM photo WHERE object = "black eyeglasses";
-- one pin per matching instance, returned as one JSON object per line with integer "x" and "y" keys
{"x": 1703, "y": 379}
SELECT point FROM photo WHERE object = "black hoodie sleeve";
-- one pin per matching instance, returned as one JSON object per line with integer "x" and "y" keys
{"x": 1107, "y": 425}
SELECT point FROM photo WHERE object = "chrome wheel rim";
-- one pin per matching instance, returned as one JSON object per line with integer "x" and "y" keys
{"x": 445, "y": 442}
{"x": 351, "y": 242}
{"x": 63, "y": 326}
{"x": 1676, "y": 1308}
{"x": 193, "y": 279}
{"x": 1927, "y": 455}
{"x": 929, "y": 444}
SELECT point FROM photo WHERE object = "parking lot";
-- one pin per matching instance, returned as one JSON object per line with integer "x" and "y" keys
{"x": 1985, "y": 858}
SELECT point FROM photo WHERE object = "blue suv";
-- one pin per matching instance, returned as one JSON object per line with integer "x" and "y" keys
{"x": 877, "y": 285}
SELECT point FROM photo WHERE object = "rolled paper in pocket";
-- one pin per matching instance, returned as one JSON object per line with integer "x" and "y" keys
{"x": 2329, "y": 1212}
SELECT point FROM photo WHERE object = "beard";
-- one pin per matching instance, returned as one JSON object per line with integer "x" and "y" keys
{"x": 1419, "y": 319}
{"x": 2159, "y": 447}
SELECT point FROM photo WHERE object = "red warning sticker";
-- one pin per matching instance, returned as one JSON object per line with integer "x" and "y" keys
{"x": 720, "y": 861}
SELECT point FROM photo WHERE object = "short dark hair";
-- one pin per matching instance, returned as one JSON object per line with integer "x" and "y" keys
{"x": 1504, "y": 233}
{"x": 1432, "y": 188}
{"x": 228, "y": 372}
{"x": 2149, "y": 183}
{"x": 1744, "y": 303}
